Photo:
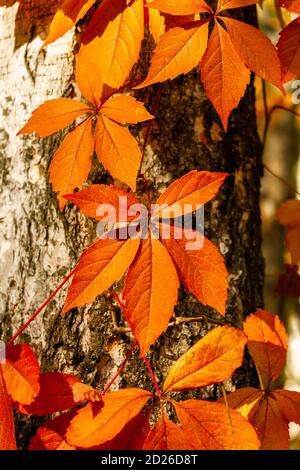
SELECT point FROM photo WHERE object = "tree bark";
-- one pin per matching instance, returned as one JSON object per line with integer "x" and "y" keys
{"x": 40, "y": 244}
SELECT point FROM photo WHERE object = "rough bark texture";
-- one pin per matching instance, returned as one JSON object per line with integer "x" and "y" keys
{"x": 40, "y": 245}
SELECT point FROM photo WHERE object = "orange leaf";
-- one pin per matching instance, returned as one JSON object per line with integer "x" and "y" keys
{"x": 267, "y": 343}
{"x": 125, "y": 109}
{"x": 7, "y": 429}
{"x": 54, "y": 115}
{"x": 289, "y": 404}
{"x": 21, "y": 373}
{"x": 228, "y": 4}
{"x": 245, "y": 400}
{"x": 60, "y": 392}
{"x": 91, "y": 199}
{"x": 51, "y": 435}
{"x": 263, "y": 60}
{"x": 100, "y": 266}
{"x": 156, "y": 24}
{"x": 271, "y": 426}
{"x": 212, "y": 359}
{"x": 116, "y": 32}
{"x": 184, "y": 7}
{"x": 118, "y": 150}
{"x": 194, "y": 188}
{"x": 178, "y": 51}
{"x": 70, "y": 12}
{"x": 200, "y": 266}
{"x": 289, "y": 51}
{"x": 289, "y": 212}
{"x": 166, "y": 435}
{"x": 223, "y": 73}
{"x": 89, "y": 79}
{"x": 97, "y": 423}
{"x": 71, "y": 163}
{"x": 210, "y": 427}
{"x": 292, "y": 239}
{"x": 151, "y": 292}
{"x": 132, "y": 436}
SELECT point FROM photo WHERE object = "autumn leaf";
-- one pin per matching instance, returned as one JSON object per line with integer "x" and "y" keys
{"x": 21, "y": 373}
{"x": 244, "y": 400}
{"x": 51, "y": 435}
{"x": 74, "y": 154}
{"x": 193, "y": 189}
{"x": 88, "y": 76}
{"x": 100, "y": 266}
{"x": 150, "y": 293}
{"x": 212, "y": 359}
{"x": 131, "y": 437}
{"x": 97, "y": 423}
{"x": 210, "y": 427}
{"x": 125, "y": 109}
{"x": 156, "y": 23}
{"x": 178, "y": 51}
{"x": 184, "y": 7}
{"x": 116, "y": 148}
{"x": 270, "y": 411}
{"x": 267, "y": 343}
{"x": 229, "y": 4}
{"x": 70, "y": 12}
{"x": 262, "y": 60}
{"x": 166, "y": 435}
{"x": 288, "y": 403}
{"x": 289, "y": 214}
{"x": 201, "y": 269}
{"x": 59, "y": 392}
{"x": 223, "y": 73}
{"x": 289, "y": 51}
{"x": 94, "y": 201}
{"x": 7, "y": 429}
{"x": 271, "y": 426}
{"x": 289, "y": 282}
{"x": 113, "y": 39}
{"x": 54, "y": 115}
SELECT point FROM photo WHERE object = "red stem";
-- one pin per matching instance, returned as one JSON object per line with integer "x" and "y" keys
{"x": 154, "y": 380}
{"x": 122, "y": 367}
{"x": 11, "y": 341}
{"x": 124, "y": 312}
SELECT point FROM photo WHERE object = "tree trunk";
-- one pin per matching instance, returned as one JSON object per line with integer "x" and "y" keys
{"x": 40, "y": 244}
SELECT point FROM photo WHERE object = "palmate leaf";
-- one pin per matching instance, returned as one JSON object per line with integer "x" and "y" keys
{"x": 116, "y": 148}
{"x": 269, "y": 411}
{"x": 151, "y": 287}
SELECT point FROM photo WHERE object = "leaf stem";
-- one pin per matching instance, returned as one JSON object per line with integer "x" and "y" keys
{"x": 121, "y": 368}
{"x": 154, "y": 380}
{"x": 30, "y": 320}
{"x": 124, "y": 312}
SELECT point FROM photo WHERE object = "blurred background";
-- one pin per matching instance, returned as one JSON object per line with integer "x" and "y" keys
{"x": 281, "y": 158}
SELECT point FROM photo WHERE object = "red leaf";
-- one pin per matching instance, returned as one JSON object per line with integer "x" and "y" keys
{"x": 7, "y": 429}
{"x": 223, "y": 73}
{"x": 59, "y": 392}
{"x": 21, "y": 373}
{"x": 267, "y": 343}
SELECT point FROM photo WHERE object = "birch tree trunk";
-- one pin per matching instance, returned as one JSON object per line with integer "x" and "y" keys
{"x": 40, "y": 245}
